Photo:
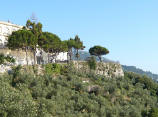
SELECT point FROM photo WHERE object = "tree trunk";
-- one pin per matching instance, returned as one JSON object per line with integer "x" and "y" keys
{"x": 34, "y": 56}
{"x": 77, "y": 55}
{"x": 55, "y": 57}
{"x": 70, "y": 55}
{"x": 26, "y": 56}
{"x": 68, "y": 60}
{"x": 48, "y": 57}
{"x": 100, "y": 58}
{"x": 34, "y": 53}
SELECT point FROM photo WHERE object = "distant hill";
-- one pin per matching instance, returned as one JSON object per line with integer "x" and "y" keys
{"x": 140, "y": 71}
{"x": 84, "y": 55}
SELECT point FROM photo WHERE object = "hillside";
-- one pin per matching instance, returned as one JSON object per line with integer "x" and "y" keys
{"x": 65, "y": 92}
{"x": 140, "y": 71}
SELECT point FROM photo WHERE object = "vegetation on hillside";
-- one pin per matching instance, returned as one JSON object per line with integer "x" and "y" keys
{"x": 6, "y": 59}
{"x": 63, "y": 92}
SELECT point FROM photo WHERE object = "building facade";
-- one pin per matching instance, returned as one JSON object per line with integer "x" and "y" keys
{"x": 6, "y": 29}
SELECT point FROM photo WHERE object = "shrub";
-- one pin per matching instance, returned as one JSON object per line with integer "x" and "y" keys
{"x": 56, "y": 68}
{"x": 153, "y": 112}
{"x": 52, "y": 68}
{"x": 4, "y": 59}
{"x": 15, "y": 74}
{"x": 92, "y": 63}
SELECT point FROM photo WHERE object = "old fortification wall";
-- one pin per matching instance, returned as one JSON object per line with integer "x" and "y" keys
{"x": 19, "y": 55}
{"x": 20, "y": 58}
{"x": 108, "y": 69}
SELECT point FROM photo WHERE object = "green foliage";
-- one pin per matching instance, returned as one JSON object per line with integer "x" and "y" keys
{"x": 56, "y": 68}
{"x": 52, "y": 68}
{"x": 92, "y": 63}
{"x": 10, "y": 59}
{"x": 98, "y": 51}
{"x": 147, "y": 82}
{"x": 153, "y": 112}
{"x": 4, "y": 59}
{"x": 22, "y": 39}
{"x": 68, "y": 96}
{"x": 48, "y": 69}
{"x": 49, "y": 42}
{"x": 16, "y": 75}
{"x": 78, "y": 45}
{"x": 71, "y": 43}
{"x": 140, "y": 71}
{"x": 52, "y": 44}
{"x": 36, "y": 29}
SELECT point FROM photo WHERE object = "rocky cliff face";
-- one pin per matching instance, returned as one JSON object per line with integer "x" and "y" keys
{"x": 108, "y": 69}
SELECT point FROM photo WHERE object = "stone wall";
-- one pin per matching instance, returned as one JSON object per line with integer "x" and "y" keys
{"x": 108, "y": 69}
{"x": 20, "y": 56}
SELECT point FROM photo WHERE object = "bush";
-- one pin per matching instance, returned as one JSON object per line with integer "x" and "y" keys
{"x": 4, "y": 59}
{"x": 52, "y": 68}
{"x": 92, "y": 63}
{"x": 153, "y": 112}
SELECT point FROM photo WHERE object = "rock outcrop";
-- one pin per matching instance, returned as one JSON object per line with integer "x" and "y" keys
{"x": 108, "y": 69}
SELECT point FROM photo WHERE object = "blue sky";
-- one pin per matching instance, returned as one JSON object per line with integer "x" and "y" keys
{"x": 128, "y": 28}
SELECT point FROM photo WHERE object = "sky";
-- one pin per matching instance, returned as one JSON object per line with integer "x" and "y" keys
{"x": 128, "y": 28}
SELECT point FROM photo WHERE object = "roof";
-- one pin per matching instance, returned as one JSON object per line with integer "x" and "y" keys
{"x": 10, "y": 24}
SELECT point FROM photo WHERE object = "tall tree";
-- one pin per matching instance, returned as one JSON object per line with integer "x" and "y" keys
{"x": 78, "y": 45}
{"x": 98, "y": 51}
{"x": 36, "y": 29}
{"x": 21, "y": 39}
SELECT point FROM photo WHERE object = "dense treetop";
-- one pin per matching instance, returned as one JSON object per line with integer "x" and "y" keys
{"x": 98, "y": 51}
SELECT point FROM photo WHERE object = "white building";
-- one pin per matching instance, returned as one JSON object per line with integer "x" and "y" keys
{"x": 6, "y": 29}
